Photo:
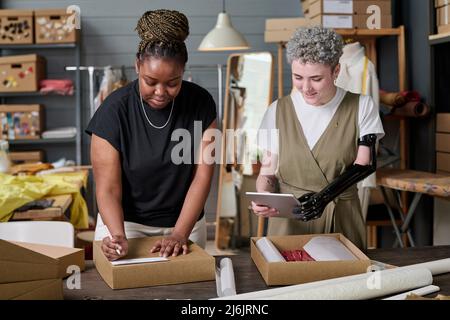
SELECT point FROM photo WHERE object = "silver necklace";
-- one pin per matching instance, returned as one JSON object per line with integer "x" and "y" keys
{"x": 146, "y": 117}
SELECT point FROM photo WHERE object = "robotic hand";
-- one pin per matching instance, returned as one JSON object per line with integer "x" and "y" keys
{"x": 312, "y": 204}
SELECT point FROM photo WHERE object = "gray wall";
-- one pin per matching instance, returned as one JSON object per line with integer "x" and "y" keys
{"x": 108, "y": 38}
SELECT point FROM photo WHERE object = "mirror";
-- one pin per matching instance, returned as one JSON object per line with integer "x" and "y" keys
{"x": 248, "y": 93}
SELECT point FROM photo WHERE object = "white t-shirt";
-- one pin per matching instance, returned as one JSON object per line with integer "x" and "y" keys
{"x": 315, "y": 119}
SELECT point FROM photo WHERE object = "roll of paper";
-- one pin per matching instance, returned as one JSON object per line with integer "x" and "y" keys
{"x": 418, "y": 292}
{"x": 226, "y": 285}
{"x": 356, "y": 287}
{"x": 269, "y": 251}
{"x": 436, "y": 267}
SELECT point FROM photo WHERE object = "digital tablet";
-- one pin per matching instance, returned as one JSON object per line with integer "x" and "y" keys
{"x": 283, "y": 202}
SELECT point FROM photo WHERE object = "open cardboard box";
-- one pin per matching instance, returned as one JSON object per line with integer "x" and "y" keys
{"x": 196, "y": 266}
{"x": 289, "y": 273}
{"x": 21, "y": 261}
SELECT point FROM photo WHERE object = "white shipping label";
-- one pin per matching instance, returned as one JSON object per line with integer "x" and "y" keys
{"x": 345, "y": 22}
{"x": 338, "y": 6}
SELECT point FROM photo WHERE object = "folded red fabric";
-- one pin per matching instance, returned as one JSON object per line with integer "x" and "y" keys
{"x": 296, "y": 255}
{"x": 59, "y": 86}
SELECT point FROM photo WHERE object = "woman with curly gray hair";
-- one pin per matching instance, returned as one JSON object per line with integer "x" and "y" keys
{"x": 326, "y": 142}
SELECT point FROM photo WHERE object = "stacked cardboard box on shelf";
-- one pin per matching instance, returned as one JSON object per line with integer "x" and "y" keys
{"x": 21, "y": 73}
{"x": 34, "y": 271}
{"x": 21, "y": 121}
{"x": 281, "y": 29}
{"x": 48, "y": 26}
{"x": 349, "y": 14}
{"x": 442, "y": 15}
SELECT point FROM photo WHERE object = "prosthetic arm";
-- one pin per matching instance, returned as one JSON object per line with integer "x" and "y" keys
{"x": 312, "y": 204}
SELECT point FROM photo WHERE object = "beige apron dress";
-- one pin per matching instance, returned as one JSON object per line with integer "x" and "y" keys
{"x": 302, "y": 170}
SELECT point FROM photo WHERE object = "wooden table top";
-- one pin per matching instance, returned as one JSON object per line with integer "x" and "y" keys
{"x": 247, "y": 278}
{"x": 414, "y": 181}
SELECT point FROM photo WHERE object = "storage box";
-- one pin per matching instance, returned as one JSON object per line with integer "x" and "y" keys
{"x": 196, "y": 266}
{"x": 286, "y": 23}
{"x": 21, "y": 261}
{"x": 49, "y": 289}
{"x": 443, "y": 122}
{"x": 334, "y": 21}
{"x": 348, "y": 7}
{"x": 441, "y": 3}
{"x": 443, "y": 142}
{"x": 18, "y": 157}
{"x": 443, "y": 15}
{"x": 21, "y": 73}
{"x": 444, "y": 29}
{"x": 330, "y": 7}
{"x": 443, "y": 162}
{"x": 53, "y": 26}
{"x": 350, "y": 21}
{"x": 364, "y": 21}
{"x": 288, "y": 273}
{"x": 282, "y": 29}
{"x": 361, "y": 6}
{"x": 21, "y": 121}
{"x": 16, "y": 27}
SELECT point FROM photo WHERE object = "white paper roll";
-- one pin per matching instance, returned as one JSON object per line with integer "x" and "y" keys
{"x": 228, "y": 284}
{"x": 361, "y": 286}
{"x": 225, "y": 282}
{"x": 436, "y": 267}
{"x": 418, "y": 292}
{"x": 269, "y": 251}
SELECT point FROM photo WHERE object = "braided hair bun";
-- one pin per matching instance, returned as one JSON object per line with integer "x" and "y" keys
{"x": 163, "y": 29}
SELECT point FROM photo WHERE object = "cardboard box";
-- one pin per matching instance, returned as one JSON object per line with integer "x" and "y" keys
{"x": 441, "y": 3}
{"x": 21, "y": 73}
{"x": 330, "y": 7}
{"x": 278, "y": 35}
{"x": 443, "y": 142}
{"x": 280, "y": 30}
{"x": 49, "y": 289}
{"x": 289, "y": 273}
{"x": 363, "y": 21}
{"x": 21, "y": 121}
{"x": 18, "y": 157}
{"x": 443, "y": 15}
{"x": 54, "y": 26}
{"x": 305, "y": 6}
{"x": 193, "y": 267}
{"x": 20, "y": 261}
{"x": 360, "y": 7}
{"x": 443, "y": 161}
{"x": 348, "y": 7}
{"x": 286, "y": 23}
{"x": 443, "y": 122}
{"x": 16, "y": 26}
{"x": 334, "y": 21}
{"x": 444, "y": 29}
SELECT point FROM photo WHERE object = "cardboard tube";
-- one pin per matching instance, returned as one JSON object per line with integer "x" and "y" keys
{"x": 412, "y": 109}
{"x": 356, "y": 287}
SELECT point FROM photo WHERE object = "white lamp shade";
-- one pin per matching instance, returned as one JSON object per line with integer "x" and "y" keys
{"x": 223, "y": 37}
